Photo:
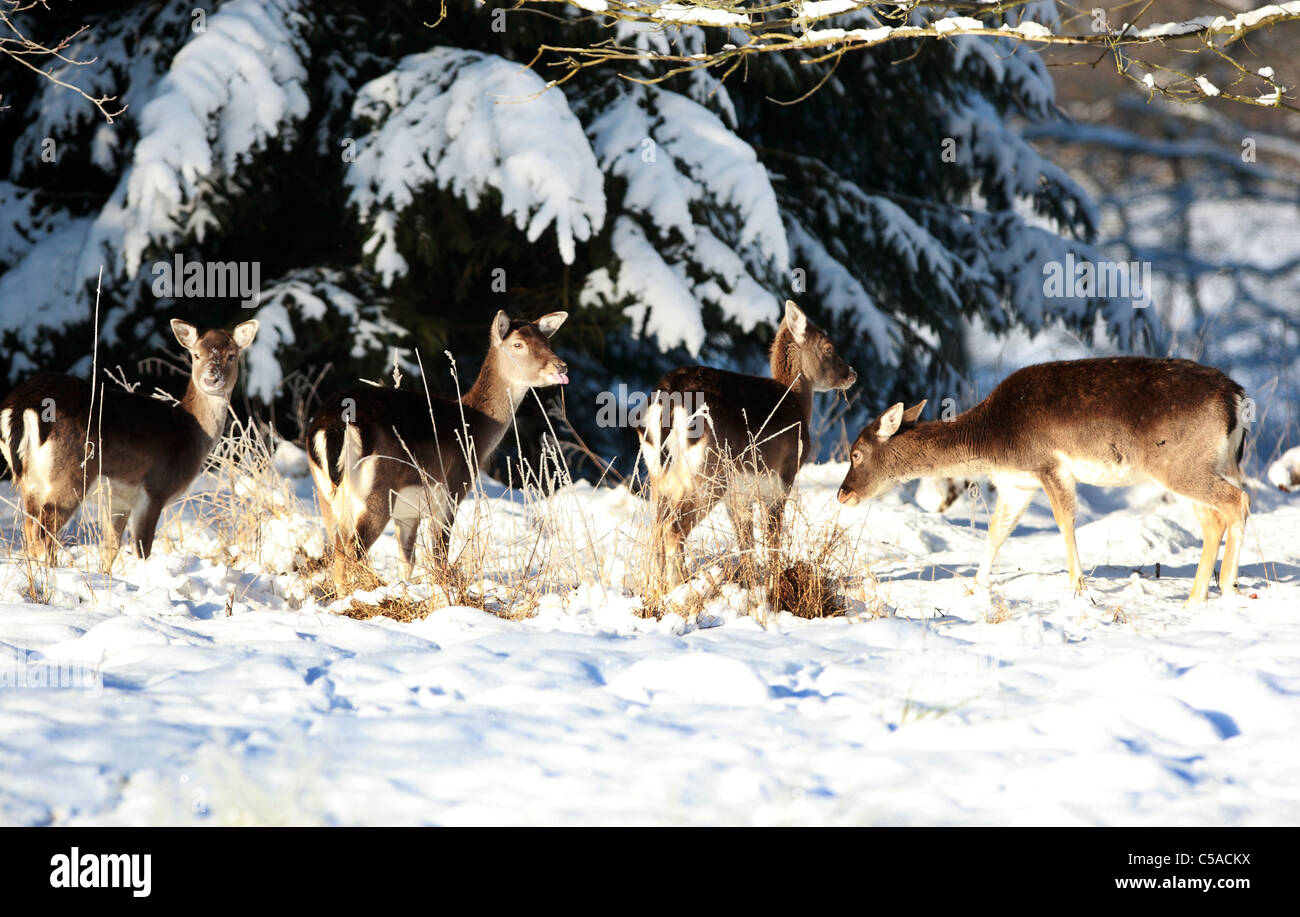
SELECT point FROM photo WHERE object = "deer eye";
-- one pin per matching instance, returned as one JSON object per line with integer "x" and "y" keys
{"x": 857, "y": 457}
{"x": 519, "y": 345}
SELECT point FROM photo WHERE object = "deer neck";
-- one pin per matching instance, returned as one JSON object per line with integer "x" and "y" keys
{"x": 787, "y": 369}
{"x": 493, "y": 402}
{"x": 209, "y": 411}
{"x": 938, "y": 448}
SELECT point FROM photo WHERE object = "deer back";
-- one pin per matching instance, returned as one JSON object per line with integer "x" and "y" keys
{"x": 132, "y": 438}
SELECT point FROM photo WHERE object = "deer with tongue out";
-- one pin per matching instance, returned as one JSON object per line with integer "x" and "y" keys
{"x": 380, "y": 453}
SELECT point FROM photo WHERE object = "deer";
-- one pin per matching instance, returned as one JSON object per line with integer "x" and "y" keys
{"x": 711, "y": 435}
{"x": 1116, "y": 421}
{"x": 377, "y": 454}
{"x": 59, "y": 437}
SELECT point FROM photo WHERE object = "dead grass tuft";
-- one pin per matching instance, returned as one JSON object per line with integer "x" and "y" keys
{"x": 999, "y": 611}
{"x": 807, "y": 592}
{"x": 398, "y": 608}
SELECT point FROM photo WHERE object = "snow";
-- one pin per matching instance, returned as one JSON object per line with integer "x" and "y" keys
{"x": 822, "y": 9}
{"x": 698, "y": 15}
{"x": 682, "y": 164}
{"x": 860, "y": 36}
{"x": 1284, "y": 473}
{"x": 233, "y": 89}
{"x": 954, "y": 23}
{"x": 312, "y": 295}
{"x": 840, "y": 291}
{"x": 663, "y": 301}
{"x": 1024, "y": 707}
{"x": 1033, "y": 29}
{"x": 39, "y": 294}
{"x": 1219, "y": 24}
{"x": 127, "y": 49}
{"x": 472, "y": 123}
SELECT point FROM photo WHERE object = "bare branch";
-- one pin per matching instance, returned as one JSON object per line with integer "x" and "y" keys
{"x": 18, "y": 47}
{"x": 753, "y": 27}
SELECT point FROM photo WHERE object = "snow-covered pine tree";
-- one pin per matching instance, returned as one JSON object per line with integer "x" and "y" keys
{"x": 398, "y": 184}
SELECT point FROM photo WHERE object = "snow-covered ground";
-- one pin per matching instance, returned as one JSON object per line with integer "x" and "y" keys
{"x": 1025, "y": 707}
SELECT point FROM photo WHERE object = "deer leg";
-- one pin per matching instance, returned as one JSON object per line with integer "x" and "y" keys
{"x": 1232, "y": 551}
{"x": 445, "y": 504}
{"x": 665, "y": 511}
{"x": 121, "y": 503}
{"x": 670, "y": 539}
{"x": 1060, "y": 493}
{"x": 1212, "y": 525}
{"x": 407, "y": 528}
{"x": 741, "y": 511}
{"x": 146, "y": 525}
{"x": 1011, "y": 505}
{"x": 773, "y": 521}
{"x": 51, "y": 519}
{"x": 326, "y": 514}
{"x": 354, "y": 546}
{"x": 32, "y": 533}
{"x": 370, "y": 525}
{"x": 683, "y": 517}
{"x": 408, "y": 510}
{"x": 404, "y": 506}
{"x": 1219, "y": 507}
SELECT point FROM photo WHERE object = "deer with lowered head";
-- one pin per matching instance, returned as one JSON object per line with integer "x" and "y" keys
{"x": 59, "y": 438}
{"x": 711, "y": 435}
{"x": 384, "y": 453}
{"x": 1113, "y": 422}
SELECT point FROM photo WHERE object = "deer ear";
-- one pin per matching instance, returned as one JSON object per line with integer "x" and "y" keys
{"x": 551, "y": 322}
{"x": 795, "y": 320}
{"x": 910, "y": 415}
{"x": 500, "y": 327}
{"x": 186, "y": 333}
{"x": 245, "y": 332}
{"x": 890, "y": 422}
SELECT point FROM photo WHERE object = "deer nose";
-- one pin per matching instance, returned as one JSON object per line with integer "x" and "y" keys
{"x": 845, "y": 495}
{"x": 561, "y": 367}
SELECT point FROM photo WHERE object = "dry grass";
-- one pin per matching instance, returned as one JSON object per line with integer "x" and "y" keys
{"x": 501, "y": 557}
{"x": 807, "y": 592}
{"x": 999, "y": 612}
{"x": 813, "y": 570}
{"x": 248, "y": 507}
{"x": 398, "y": 608}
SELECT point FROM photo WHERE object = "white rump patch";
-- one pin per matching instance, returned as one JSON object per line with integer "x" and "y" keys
{"x": 1225, "y": 463}
{"x": 38, "y": 461}
{"x": 650, "y": 442}
{"x": 5, "y": 417}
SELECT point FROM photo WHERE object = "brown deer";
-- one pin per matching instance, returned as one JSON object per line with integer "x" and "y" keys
{"x": 710, "y": 435}
{"x": 1113, "y": 422}
{"x": 380, "y": 453}
{"x": 59, "y": 439}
